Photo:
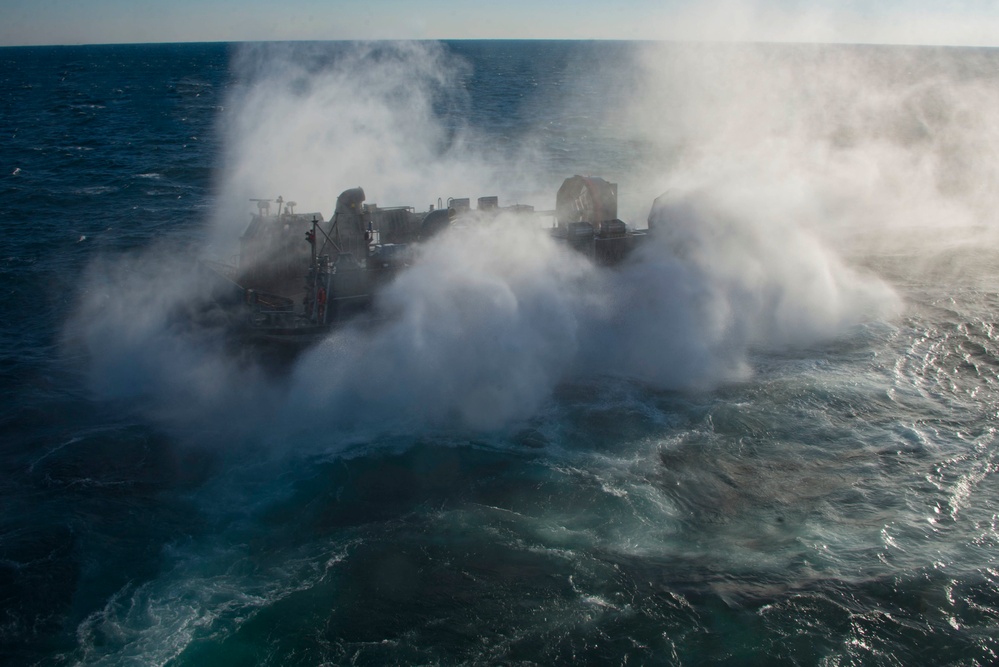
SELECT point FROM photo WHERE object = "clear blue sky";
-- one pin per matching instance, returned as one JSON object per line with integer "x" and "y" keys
{"x": 968, "y": 22}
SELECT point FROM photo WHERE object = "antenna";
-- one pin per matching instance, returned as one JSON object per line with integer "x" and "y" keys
{"x": 263, "y": 206}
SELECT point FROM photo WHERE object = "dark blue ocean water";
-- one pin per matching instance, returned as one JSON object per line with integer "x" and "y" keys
{"x": 769, "y": 438}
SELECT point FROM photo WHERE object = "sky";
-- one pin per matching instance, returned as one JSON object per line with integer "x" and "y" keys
{"x": 950, "y": 22}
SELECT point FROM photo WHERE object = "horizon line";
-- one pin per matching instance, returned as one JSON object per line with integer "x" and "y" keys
{"x": 509, "y": 39}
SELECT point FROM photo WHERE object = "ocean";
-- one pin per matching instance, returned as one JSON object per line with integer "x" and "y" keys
{"x": 767, "y": 437}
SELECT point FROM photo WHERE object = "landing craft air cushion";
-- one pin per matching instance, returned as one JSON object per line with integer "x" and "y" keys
{"x": 298, "y": 275}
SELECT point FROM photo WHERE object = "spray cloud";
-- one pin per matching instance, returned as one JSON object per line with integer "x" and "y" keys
{"x": 770, "y": 161}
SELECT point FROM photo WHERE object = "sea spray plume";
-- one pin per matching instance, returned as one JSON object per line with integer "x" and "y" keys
{"x": 851, "y": 23}
{"x": 895, "y": 145}
{"x": 478, "y": 333}
{"x": 138, "y": 327}
{"x": 305, "y": 121}
{"x": 491, "y": 318}
{"x": 787, "y": 165}
{"x": 309, "y": 120}
{"x": 725, "y": 275}
{"x": 487, "y": 322}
